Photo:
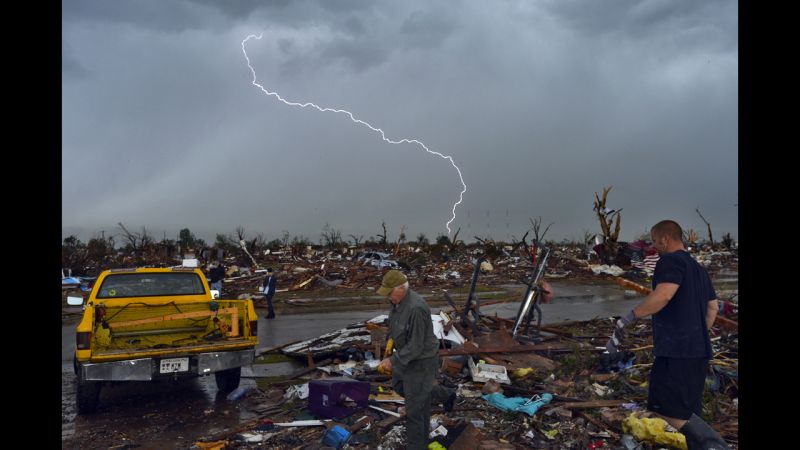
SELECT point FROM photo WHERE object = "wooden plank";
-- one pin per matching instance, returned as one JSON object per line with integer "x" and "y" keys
{"x": 724, "y": 322}
{"x": 386, "y": 411}
{"x": 176, "y": 316}
{"x": 360, "y": 423}
{"x": 233, "y": 311}
{"x": 567, "y": 323}
{"x": 304, "y": 283}
{"x": 389, "y": 421}
{"x": 632, "y": 285}
{"x": 550, "y": 328}
{"x": 514, "y": 349}
{"x": 528, "y": 393}
{"x": 263, "y": 350}
{"x": 556, "y": 331}
{"x": 302, "y": 372}
{"x": 592, "y": 404}
{"x": 598, "y": 424}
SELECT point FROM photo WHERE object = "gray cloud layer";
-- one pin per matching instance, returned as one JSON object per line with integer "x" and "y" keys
{"x": 541, "y": 104}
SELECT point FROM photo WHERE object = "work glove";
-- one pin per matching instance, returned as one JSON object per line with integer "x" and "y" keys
{"x": 626, "y": 320}
{"x": 618, "y": 335}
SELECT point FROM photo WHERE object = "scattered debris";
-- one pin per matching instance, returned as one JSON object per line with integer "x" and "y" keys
{"x": 528, "y": 406}
{"x": 297, "y": 392}
{"x": 483, "y": 372}
{"x": 653, "y": 430}
{"x": 571, "y": 394}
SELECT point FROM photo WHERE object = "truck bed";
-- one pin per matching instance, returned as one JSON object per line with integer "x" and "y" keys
{"x": 139, "y": 329}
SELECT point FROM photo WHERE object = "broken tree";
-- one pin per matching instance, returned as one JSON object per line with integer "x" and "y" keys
{"x": 606, "y": 217}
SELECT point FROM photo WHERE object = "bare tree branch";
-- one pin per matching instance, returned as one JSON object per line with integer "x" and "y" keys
{"x": 331, "y": 236}
{"x": 537, "y": 224}
{"x": 384, "y": 235}
{"x": 710, "y": 236}
{"x": 606, "y": 218}
{"x": 400, "y": 238}
{"x": 133, "y": 238}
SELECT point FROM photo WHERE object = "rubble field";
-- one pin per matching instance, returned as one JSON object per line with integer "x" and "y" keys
{"x": 546, "y": 387}
{"x": 320, "y": 280}
{"x": 568, "y": 393}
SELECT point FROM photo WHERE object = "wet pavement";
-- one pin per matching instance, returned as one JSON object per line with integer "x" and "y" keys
{"x": 174, "y": 414}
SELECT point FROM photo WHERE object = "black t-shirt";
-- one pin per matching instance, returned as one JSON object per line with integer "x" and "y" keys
{"x": 679, "y": 329}
{"x": 216, "y": 274}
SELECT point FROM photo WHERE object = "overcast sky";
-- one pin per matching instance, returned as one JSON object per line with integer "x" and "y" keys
{"x": 539, "y": 103}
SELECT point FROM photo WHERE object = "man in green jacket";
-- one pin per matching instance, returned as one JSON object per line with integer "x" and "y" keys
{"x": 416, "y": 358}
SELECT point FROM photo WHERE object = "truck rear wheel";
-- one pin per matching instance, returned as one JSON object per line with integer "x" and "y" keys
{"x": 228, "y": 380}
{"x": 88, "y": 396}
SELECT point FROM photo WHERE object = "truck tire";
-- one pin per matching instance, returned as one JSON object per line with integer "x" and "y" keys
{"x": 87, "y": 396}
{"x": 228, "y": 380}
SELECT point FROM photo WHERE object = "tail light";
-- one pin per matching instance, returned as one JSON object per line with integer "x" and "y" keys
{"x": 254, "y": 328}
{"x": 83, "y": 339}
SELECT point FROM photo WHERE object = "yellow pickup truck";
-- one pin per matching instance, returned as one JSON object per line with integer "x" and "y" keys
{"x": 146, "y": 324}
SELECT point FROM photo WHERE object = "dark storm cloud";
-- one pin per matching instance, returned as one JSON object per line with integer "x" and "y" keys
{"x": 358, "y": 55}
{"x": 241, "y": 9}
{"x": 70, "y": 67}
{"x": 360, "y": 43}
{"x": 181, "y": 15}
{"x": 154, "y": 15}
{"x": 640, "y": 19}
{"x": 354, "y": 26}
{"x": 541, "y": 104}
{"x": 425, "y": 29}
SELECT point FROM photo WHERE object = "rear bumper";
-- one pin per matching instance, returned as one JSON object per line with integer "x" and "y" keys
{"x": 146, "y": 369}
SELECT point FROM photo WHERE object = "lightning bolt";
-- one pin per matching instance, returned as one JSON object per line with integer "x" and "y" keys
{"x": 359, "y": 121}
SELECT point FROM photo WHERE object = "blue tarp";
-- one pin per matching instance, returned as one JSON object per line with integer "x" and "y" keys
{"x": 83, "y": 283}
{"x": 515, "y": 404}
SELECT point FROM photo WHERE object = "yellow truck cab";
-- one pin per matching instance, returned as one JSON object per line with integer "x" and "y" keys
{"x": 154, "y": 323}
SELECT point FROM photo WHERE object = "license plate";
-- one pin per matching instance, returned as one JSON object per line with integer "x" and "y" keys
{"x": 173, "y": 365}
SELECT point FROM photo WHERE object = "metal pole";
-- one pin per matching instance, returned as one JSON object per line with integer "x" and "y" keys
{"x": 472, "y": 287}
{"x": 530, "y": 294}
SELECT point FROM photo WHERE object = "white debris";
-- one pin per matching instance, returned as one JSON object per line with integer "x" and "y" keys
{"x": 439, "y": 431}
{"x": 297, "y": 391}
{"x": 605, "y": 268}
{"x": 393, "y": 439}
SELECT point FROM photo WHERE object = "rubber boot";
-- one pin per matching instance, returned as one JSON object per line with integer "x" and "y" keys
{"x": 700, "y": 436}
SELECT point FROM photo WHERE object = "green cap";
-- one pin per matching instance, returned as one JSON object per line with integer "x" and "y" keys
{"x": 391, "y": 280}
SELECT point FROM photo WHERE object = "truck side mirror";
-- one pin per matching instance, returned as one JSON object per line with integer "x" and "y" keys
{"x": 75, "y": 301}
{"x": 214, "y": 293}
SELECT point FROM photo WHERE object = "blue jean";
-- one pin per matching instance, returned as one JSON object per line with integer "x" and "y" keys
{"x": 415, "y": 382}
{"x": 270, "y": 311}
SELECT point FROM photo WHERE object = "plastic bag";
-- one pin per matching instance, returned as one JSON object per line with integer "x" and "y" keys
{"x": 653, "y": 430}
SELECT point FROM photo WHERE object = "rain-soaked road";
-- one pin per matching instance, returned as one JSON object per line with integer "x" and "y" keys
{"x": 163, "y": 415}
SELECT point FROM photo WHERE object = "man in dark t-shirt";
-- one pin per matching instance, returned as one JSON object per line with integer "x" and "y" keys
{"x": 216, "y": 275}
{"x": 684, "y": 306}
{"x": 268, "y": 288}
